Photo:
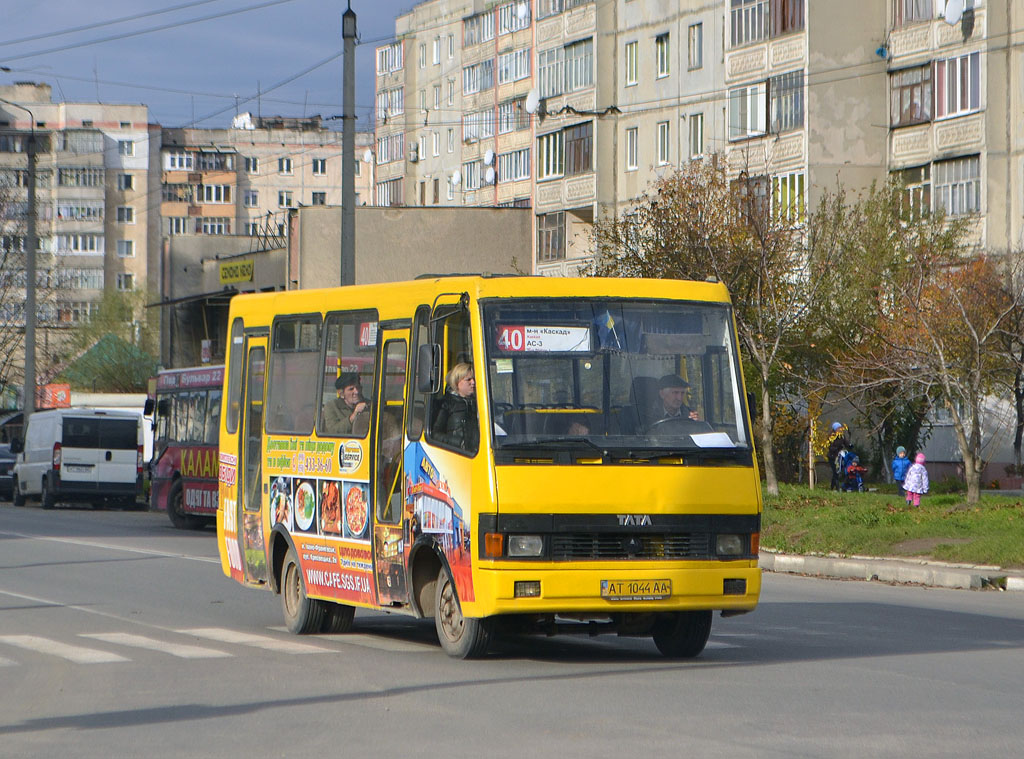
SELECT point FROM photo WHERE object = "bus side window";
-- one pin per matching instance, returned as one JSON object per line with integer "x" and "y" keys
{"x": 349, "y": 358}
{"x": 235, "y": 376}
{"x": 418, "y": 400}
{"x": 454, "y": 422}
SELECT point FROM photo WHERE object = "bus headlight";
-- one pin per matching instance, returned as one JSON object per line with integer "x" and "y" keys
{"x": 525, "y": 545}
{"x": 729, "y": 545}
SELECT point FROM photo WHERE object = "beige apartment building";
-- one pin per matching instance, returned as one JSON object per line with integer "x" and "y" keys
{"x": 796, "y": 97}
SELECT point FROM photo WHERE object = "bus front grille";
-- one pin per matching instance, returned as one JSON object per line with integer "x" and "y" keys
{"x": 579, "y": 546}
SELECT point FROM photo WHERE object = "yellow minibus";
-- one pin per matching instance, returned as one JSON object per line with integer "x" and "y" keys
{"x": 500, "y": 453}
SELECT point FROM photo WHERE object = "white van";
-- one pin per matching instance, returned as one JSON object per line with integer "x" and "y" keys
{"x": 80, "y": 454}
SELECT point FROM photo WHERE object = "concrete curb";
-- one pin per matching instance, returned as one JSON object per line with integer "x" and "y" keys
{"x": 901, "y": 571}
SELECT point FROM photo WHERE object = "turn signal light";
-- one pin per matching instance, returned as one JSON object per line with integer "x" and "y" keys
{"x": 494, "y": 545}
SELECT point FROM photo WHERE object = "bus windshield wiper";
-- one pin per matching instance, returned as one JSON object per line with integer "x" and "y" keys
{"x": 564, "y": 442}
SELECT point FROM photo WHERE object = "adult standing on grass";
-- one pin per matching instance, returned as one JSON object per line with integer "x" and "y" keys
{"x": 916, "y": 481}
{"x": 837, "y": 443}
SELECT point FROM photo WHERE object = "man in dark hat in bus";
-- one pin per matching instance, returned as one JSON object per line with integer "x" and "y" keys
{"x": 673, "y": 391}
{"x": 349, "y": 413}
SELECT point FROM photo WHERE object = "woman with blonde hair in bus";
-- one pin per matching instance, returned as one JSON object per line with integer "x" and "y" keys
{"x": 456, "y": 421}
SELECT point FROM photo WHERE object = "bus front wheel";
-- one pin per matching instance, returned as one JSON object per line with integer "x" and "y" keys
{"x": 682, "y": 634}
{"x": 302, "y": 614}
{"x": 460, "y": 637}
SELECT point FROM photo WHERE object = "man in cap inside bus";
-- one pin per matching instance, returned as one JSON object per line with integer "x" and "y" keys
{"x": 348, "y": 414}
{"x": 672, "y": 393}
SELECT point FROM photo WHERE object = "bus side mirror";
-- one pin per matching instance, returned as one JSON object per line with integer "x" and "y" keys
{"x": 17, "y": 446}
{"x": 752, "y": 405}
{"x": 148, "y": 408}
{"x": 428, "y": 368}
{"x": 163, "y": 408}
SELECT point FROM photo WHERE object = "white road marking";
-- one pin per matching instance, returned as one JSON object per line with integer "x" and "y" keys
{"x": 225, "y": 635}
{"x": 379, "y": 643}
{"x": 174, "y": 649}
{"x": 77, "y": 654}
{"x": 112, "y": 547}
{"x": 7, "y": 662}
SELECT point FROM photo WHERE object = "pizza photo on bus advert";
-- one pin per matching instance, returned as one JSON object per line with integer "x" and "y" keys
{"x": 355, "y": 509}
{"x": 330, "y": 508}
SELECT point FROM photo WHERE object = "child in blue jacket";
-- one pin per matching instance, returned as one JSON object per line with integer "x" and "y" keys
{"x": 900, "y": 465}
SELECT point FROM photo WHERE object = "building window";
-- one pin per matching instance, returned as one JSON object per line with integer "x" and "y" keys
{"x": 212, "y": 225}
{"x": 126, "y": 147}
{"x": 513, "y": 16}
{"x": 436, "y": 143}
{"x": 748, "y": 21}
{"x": 389, "y": 193}
{"x": 451, "y": 92}
{"x": 252, "y": 198}
{"x": 787, "y": 16}
{"x": 695, "y": 47}
{"x": 632, "y": 149}
{"x": 126, "y": 248}
{"x": 284, "y": 199}
{"x": 550, "y": 156}
{"x": 179, "y": 161}
{"x": 788, "y": 197}
{"x": 958, "y": 185}
{"x": 747, "y": 111}
{"x": 514, "y": 66}
{"x": 471, "y": 175}
{"x": 911, "y": 11}
{"x": 916, "y": 199}
{"x": 437, "y": 190}
{"x": 252, "y": 165}
{"x": 911, "y": 96}
{"x": 478, "y": 28}
{"x": 284, "y": 165}
{"x": 551, "y": 236}
{"x": 319, "y": 198}
{"x": 548, "y": 8}
{"x": 512, "y": 116}
{"x": 478, "y": 125}
{"x": 579, "y": 65}
{"x": 514, "y": 166}
{"x": 958, "y": 85}
{"x": 390, "y": 103}
{"x": 451, "y": 46}
{"x": 216, "y": 193}
{"x": 252, "y": 229}
{"x": 578, "y": 149}
{"x": 84, "y": 244}
{"x": 451, "y": 140}
{"x": 632, "y": 64}
{"x": 696, "y": 140}
{"x": 436, "y": 49}
{"x": 661, "y": 50}
{"x": 437, "y": 97}
{"x": 549, "y": 72}
{"x": 125, "y": 281}
{"x": 663, "y": 143}
{"x": 390, "y": 148}
{"x": 125, "y": 215}
{"x": 478, "y": 77}
{"x": 319, "y": 167}
{"x": 451, "y": 190}
{"x": 423, "y": 55}
{"x": 787, "y": 101}
{"x": 177, "y": 225}
{"x": 389, "y": 58}
{"x": 125, "y": 182}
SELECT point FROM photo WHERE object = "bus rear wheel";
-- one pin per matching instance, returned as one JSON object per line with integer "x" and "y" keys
{"x": 460, "y": 637}
{"x": 302, "y": 614}
{"x": 337, "y": 618}
{"x": 175, "y": 509}
{"x": 682, "y": 634}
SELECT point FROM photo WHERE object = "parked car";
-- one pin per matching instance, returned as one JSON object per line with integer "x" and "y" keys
{"x": 79, "y": 454}
{"x": 6, "y": 471}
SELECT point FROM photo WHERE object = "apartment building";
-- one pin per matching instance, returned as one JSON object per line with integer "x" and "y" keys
{"x": 97, "y": 200}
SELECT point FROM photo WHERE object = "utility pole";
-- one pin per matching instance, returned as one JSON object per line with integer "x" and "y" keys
{"x": 348, "y": 150}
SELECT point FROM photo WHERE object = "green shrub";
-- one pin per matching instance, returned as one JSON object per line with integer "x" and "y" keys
{"x": 949, "y": 484}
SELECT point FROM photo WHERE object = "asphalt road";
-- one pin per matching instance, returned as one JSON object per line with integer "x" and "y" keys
{"x": 119, "y": 636}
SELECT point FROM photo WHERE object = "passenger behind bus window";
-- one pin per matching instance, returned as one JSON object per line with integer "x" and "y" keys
{"x": 456, "y": 421}
{"x": 349, "y": 413}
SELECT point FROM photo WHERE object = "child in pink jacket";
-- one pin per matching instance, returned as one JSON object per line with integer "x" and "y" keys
{"x": 916, "y": 481}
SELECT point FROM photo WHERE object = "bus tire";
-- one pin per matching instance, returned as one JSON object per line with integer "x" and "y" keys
{"x": 46, "y": 497}
{"x": 337, "y": 618}
{"x": 460, "y": 637}
{"x": 175, "y": 502}
{"x": 682, "y": 634}
{"x": 17, "y": 497}
{"x": 302, "y": 614}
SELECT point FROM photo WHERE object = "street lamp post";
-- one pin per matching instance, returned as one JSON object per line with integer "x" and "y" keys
{"x": 348, "y": 150}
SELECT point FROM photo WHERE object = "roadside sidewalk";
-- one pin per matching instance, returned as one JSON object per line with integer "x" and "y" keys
{"x": 904, "y": 571}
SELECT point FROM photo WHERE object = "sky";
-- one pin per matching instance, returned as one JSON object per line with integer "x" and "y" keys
{"x": 197, "y": 62}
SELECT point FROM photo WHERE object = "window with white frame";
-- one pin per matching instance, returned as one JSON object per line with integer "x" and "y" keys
{"x": 216, "y": 193}
{"x": 748, "y": 21}
{"x": 632, "y": 63}
{"x": 663, "y": 143}
{"x": 437, "y": 51}
{"x": 423, "y": 100}
{"x": 389, "y": 193}
{"x": 252, "y": 165}
{"x": 696, "y": 135}
{"x": 216, "y": 225}
{"x": 478, "y": 125}
{"x": 958, "y": 85}
{"x": 126, "y": 248}
{"x": 695, "y": 47}
{"x": 747, "y": 111}
{"x": 513, "y": 16}
{"x": 75, "y": 278}
{"x": 958, "y": 185}
{"x": 79, "y": 210}
{"x": 787, "y": 101}
{"x": 436, "y": 143}
{"x": 451, "y": 189}
{"x": 284, "y": 198}
{"x": 551, "y": 236}
{"x": 550, "y": 72}
{"x": 471, "y": 175}
{"x": 319, "y": 167}
{"x": 80, "y": 244}
{"x": 550, "y": 156}
{"x": 910, "y": 93}
{"x": 512, "y": 116}
{"x": 478, "y": 28}
{"x": 451, "y": 46}
{"x": 514, "y": 166}
{"x": 906, "y": 12}
{"x": 547, "y": 8}
{"x": 437, "y": 97}
{"x": 451, "y": 140}
{"x": 389, "y": 58}
{"x": 662, "y": 54}
{"x": 125, "y": 215}
{"x": 579, "y": 65}
{"x": 76, "y": 312}
{"x": 423, "y": 55}
{"x": 451, "y": 92}
{"x": 390, "y": 103}
{"x": 788, "y": 197}
{"x": 284, "y": 165}
{"x": 80, "y": 177}
{"x": 125, "y": 182}
{"x": 916, "y": 197}
{"x": 632, "y": 149}
{"x": 177, "y": 225}
{"x": 179, "y": 161}
{"x": 390, "y": 148}
{"x": 514, "y": 65}
{"x": 479, "y": 76}
{"x": 252, "y": 198}
{"x": 319, "y": 199}
{"x": 125, "y": 281}
{"x": 126, "y": 147}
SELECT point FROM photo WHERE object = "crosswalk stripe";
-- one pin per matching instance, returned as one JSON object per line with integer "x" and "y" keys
{"x": 258, "y": 641}
{"x": 174, "y": 649}
{"x": 6, "y": 662}
{"x": 381, "y": 644}
{"x": 77, "y": 654}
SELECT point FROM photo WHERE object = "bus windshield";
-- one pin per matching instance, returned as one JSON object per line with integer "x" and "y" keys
{"x": 615, "y": 376}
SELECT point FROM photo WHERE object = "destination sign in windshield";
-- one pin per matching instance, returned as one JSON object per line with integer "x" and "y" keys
{"x": 532, "y": 338}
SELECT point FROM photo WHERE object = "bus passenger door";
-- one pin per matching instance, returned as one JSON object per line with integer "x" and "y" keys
{"x": 388, "y": 496}
{"x": 250, "y": 456}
